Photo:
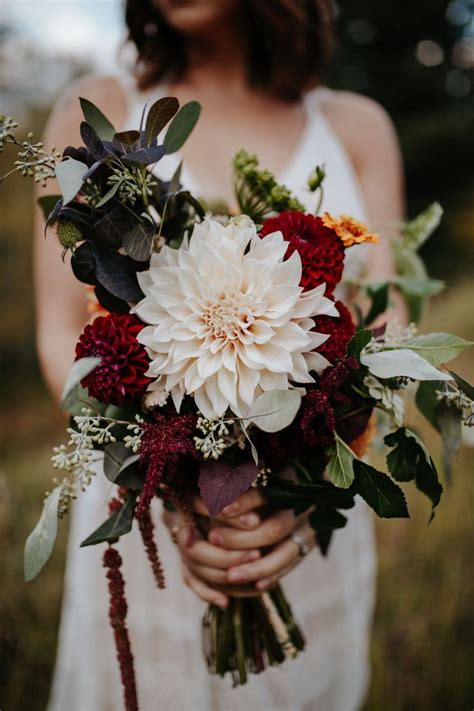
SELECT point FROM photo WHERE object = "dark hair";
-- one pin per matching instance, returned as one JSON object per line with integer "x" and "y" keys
{"x": 289, "y": 43}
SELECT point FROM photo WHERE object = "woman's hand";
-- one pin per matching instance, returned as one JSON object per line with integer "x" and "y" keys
{"x": 205, "y": 563}
{"x": 275, "y": 531}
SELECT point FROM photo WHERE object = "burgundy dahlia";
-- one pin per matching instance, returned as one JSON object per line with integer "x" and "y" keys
{"x": 124, "y": 362}
{"x": 340, "y": 332}
{"x": 320, "y": 249}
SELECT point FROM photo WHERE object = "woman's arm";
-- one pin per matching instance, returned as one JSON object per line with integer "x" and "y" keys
{"x": 60, "y": 299}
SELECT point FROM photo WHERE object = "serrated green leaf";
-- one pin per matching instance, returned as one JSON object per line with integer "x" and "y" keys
{"x": 325, "y": 517}
{"x": 40, "y": 543}
{"x": 119, "y": 524}
{"x": 438, "y": 348}
{"x": 379, "y": 491}
{"x": 358, "y": 342}
{"x": 181, "y": 126}
{"x": 340, "y": 468}
{"x": 70, "y": 176}
{"x": 419, "y": 462}
{"x": 274, "y": 410}
{"x": 80, "y": 369}
{"x": 97, "y": 120}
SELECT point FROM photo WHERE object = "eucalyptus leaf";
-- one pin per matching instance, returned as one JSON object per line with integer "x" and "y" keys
{"x": 438, "y": 348}
{"x": 181, "y": 126}
{"x": 108, "y": 195}
{"x": 47, "y": 204}
{"x": 92, "y": 141}
{"x": 379, "y": 491}
{"x": 401, "y": 362}
{"x": 158, "y": 116}
{"x": 125, "y": 141}
{"x": 340, "y": 468}
{"x": 119, "y": 524}
{"x": 145, "y": 156}
{"x": 274, "y": 410}
{"x": 97, "y": 120}
{"x": 115, "y": 455}
{"x": 138, "y": 241}
{"x": 70, "y": 175}
{"x": 80, "y": 369}
{"x": 116, "y": 273}
{"x": 40, "y": 543}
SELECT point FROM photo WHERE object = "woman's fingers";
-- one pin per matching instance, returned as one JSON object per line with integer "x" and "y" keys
{"x": 205, "y": 553}
{"x": 207, "y": 574}
{"x": 272, "y": 566}
{"x": 240, "y": 513}
{"x": 271, "y": 531}
{"x": 204, "y": 591}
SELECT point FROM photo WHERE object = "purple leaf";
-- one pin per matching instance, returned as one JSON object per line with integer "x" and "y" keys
{"x": 220, "y": 484}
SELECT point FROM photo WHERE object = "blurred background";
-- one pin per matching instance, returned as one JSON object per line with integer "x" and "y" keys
{"x": 418, "y": 61}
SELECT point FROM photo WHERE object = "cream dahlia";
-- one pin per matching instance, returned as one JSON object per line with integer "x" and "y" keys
{"x": 228, "y": 319}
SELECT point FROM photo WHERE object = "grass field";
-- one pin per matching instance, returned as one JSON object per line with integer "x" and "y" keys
{"x": 423, "y": 640}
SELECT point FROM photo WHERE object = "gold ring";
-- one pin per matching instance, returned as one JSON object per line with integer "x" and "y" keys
{"x": 174, "y": 534}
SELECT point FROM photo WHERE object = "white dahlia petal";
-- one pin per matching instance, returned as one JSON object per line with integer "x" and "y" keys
{"x": 228, "y": 318}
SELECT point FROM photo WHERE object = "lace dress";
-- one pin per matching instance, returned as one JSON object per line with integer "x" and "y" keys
{"x": 331, "y": 597}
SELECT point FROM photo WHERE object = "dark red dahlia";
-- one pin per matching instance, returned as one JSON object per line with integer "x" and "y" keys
{"x": 124, "y": 362}
{"x": 320, "y": 249}
{"x": 340, "y": 332}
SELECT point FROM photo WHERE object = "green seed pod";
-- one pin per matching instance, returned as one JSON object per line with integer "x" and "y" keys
{"x": 68, "y": 234}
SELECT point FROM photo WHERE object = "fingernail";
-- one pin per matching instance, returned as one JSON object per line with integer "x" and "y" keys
{"x": 250, "y": 557}
{"x": 249, "y": 520}
{"x": 216, "y": 538}
{"x": 236, "y": 576}
{"x": 230, "y": 510}
{"x": 262, "y": 584}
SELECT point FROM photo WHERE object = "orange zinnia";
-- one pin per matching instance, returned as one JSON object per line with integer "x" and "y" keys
{"x": 349, "y": 230}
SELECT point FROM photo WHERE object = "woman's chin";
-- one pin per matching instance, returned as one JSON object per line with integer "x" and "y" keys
{"x": 195, "y": 16}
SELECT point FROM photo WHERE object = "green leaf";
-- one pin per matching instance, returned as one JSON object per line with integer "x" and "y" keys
{"x": 138, "y": 241}
{"x": 379, "y": 295}
{"x": 326, "y": 517}
{"x": 181, "y": 126}
{"x": 108, "y": 195}
{"x": 402, "y": 460}
{"x": 438, "y": 348}
{"x": 358, "y": 342}
{"x": 80, "y": 369}
{"x": 70, "y": 175}
{"x": 40, "y": 543}
{"x": 427, "y": 401}
{"x": 340, "y": 468}
{"x": 97, "y": 120}
{"x": 418, "y": 287}
{"x": 379, "y": 491}
{"x": 115, "y": 455}
{"x": 274, "y": 410}
{"x": 449, "y": 420}
{"x": 418, "y": 461}
{"x": 119, "y": 524}
{"x": 401, "y": 362}
{"x": 158, "y": 116}
{"x": 47, "y": 204}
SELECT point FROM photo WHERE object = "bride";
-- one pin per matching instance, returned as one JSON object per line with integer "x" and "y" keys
{"x": 256, "y": 68}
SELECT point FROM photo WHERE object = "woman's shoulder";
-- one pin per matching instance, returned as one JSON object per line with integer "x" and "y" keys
{"x": 362, "y": 124}
{"x": 105, "y": 91}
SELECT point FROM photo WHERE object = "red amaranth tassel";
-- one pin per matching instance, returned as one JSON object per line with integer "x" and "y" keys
{"x": 117, "y": 615}
{"x": 145, "y": 524}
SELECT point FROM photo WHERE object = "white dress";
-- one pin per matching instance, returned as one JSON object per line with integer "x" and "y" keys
{"x": 332, "y": 598}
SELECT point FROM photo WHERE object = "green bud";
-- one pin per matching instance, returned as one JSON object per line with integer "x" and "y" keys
{"x": 68, "y": 234}
{"x": 316, "y": 178}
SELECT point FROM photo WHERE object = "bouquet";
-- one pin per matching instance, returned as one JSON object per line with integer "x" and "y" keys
{"x": 219, "y": 357}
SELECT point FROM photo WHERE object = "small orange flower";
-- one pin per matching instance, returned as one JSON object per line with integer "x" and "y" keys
{"x": 361, "y": 444}
{"x": 349, "y": 230}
